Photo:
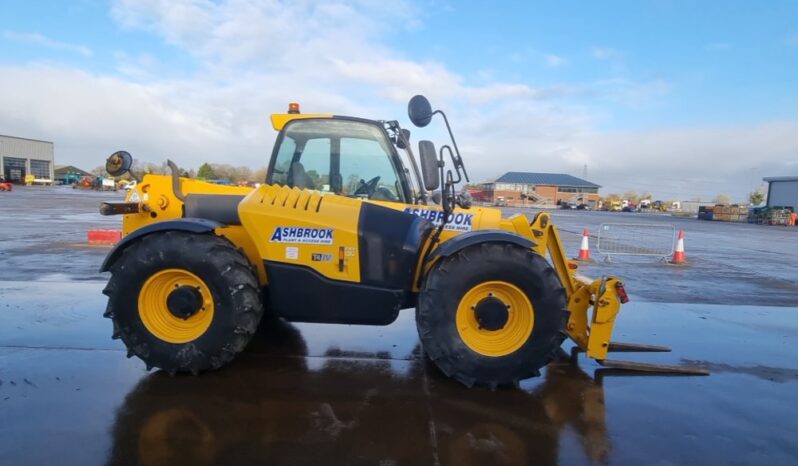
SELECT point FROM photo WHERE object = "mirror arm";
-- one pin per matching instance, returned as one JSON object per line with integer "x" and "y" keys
{"x": 458, "y": 163}
{"x": 447, "y": 207}
{"x": 454, "y": 162}
{"x": 448, "y": 197}
{"x": 443, "y": 180}
{"x": 176, "y": 181}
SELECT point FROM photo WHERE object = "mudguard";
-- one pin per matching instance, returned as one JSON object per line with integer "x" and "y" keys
{"x": 459, "y": 242}
{"x": 191, "y": 225}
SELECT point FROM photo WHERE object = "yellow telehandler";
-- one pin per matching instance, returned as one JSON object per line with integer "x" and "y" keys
{"x": 349, "y": 228}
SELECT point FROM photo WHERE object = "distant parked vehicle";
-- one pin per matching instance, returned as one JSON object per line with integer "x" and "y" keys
{"x": 107, "y": 184}
{"x": 583, "y": 207}
{"x": 222, "y": 181}
{"x": 660, "y": 206}
{"x": 4, "y": 185}
{"x": 31, "y": 180}
{"x": 567, "y": 205}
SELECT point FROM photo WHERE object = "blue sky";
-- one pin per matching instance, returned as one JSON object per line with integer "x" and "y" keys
{"x": 682, "y": 99}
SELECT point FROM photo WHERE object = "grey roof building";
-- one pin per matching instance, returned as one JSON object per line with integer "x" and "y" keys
{"x": 545, "y": 179}
{"x": 782, "y": 191}
{"x": 20, "y": 157}
{"x": 518, "y": 188}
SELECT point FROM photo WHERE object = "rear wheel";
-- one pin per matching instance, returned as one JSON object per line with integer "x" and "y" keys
{"x": 492, "y": 314}
{"x": 183, "y": 302}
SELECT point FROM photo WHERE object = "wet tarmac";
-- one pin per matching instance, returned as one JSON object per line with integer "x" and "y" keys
{"x": 325, "y": 394}
{"x": 43, "y": 237}
{"x": 328, "y": 394}
{"x": 43, "y": 233}
{"x": 727, "y": 263}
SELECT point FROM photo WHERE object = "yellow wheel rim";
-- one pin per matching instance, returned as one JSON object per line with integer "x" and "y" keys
{"x": 176, "y": 433}
{"x": 503, "y": 341}
{"x": 155, "y": 314}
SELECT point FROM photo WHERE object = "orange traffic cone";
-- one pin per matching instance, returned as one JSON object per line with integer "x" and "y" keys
{"x": 584, "y": 250}
{"x": 678, "y": 254}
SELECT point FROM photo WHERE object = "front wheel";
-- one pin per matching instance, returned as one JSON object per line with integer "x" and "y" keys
{"x": 183, "y": 302}
{"x": 492, "y": 314}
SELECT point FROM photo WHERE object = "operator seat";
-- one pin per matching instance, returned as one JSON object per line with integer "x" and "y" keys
{"x": 300, "y": 178}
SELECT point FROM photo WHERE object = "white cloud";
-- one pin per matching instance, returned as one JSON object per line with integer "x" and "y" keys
{"x": 554, "y": 60}
{"x": 517, "y": 57}
{"x": 90, "y": 116}
{"x": 682, "y": 162}
{"x": 605, "y": 53}
{"x": 44, "y": 41}
{"x": 253, "y": 57}
{"x": 630, "y": 93}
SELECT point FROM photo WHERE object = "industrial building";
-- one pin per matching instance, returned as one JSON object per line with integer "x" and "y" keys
{"x": 20, "y": 157}
{"x": 782, "y": 191}
{"x": 68, "y": 174}
{"x": 524, "y": 188}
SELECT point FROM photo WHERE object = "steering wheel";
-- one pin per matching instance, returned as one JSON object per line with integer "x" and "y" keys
{"x": 384, "y": 194}
{"x": 367, "y": 187}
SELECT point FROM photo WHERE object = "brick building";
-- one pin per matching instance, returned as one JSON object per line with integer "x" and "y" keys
{"x": 523, "y": 188}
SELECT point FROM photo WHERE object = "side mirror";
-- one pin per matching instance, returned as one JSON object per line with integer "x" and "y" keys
{"x": 119, "y": 163}
{"x": 420, "y": 111}
{"x": 429, "y": 165}
{"x": 403, "y": 140}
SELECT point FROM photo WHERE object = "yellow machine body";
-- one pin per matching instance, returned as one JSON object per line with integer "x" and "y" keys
{"x": 593, "y": 304}
{"x": 331, "y": 254}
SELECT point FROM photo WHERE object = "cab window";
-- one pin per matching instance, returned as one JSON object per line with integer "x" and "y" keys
{"x": 344, "y": 157}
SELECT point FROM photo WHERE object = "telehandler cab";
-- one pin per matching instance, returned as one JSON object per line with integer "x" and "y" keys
{"x": 344, "y": 231}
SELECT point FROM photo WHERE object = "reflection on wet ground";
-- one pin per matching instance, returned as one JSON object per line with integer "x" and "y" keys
{"x": 320, "y": 394}
{"x": 352, "y": 412}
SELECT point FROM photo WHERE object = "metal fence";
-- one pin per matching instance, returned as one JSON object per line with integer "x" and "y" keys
{"x": 634, "y": 239}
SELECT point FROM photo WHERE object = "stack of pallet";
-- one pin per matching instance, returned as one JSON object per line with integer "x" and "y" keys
{"x": 706, "y": 212}
{"x": 730, "y": 213}
{"x": 771, "y": 215}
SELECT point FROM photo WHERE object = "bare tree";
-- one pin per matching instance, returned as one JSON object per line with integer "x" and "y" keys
{"x": 631, "y": 196}
{"x": 722, "y": 199}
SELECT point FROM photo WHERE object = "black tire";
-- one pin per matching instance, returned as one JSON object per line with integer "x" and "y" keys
{"x": 228, "y": 275}
{"x": 455, "y": 275}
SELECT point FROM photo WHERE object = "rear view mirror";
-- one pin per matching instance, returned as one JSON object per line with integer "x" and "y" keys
{"x": 429, "y": 165}
{"x": 119, "y": 163}
{"x": 420, "y": 111}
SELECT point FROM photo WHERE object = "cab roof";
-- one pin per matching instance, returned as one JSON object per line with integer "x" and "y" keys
{"x": 279, "y": 120}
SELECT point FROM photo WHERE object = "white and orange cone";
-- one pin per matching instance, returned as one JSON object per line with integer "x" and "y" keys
{"x": 678, "y": 254}
{"x": 584, "y": 249}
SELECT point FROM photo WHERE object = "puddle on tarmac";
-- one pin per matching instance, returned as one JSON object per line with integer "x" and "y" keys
{"x": 322, "y": 394}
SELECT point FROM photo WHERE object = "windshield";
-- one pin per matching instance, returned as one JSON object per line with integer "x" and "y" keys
{"x": 345, "y": 157}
